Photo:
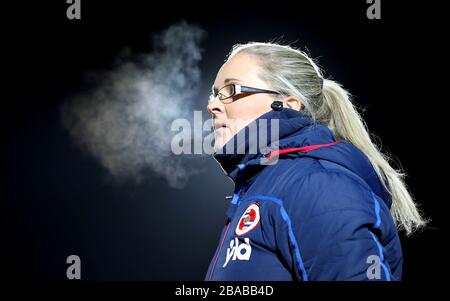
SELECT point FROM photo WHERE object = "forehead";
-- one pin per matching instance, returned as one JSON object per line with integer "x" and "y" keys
{"x": 241, "y": 66}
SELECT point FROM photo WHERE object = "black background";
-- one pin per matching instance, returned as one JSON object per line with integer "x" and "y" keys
{"x": 58, "y": 201}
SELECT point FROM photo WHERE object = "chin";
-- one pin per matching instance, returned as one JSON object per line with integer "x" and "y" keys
{"x": 220, "y": 141}
{"x": 218, "y": 146}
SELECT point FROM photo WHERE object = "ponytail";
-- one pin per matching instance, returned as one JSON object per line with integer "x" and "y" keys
{"x": 341, "y": 116}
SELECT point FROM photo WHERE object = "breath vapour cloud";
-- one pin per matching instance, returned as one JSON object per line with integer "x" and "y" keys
{"x": 124, "y": 119}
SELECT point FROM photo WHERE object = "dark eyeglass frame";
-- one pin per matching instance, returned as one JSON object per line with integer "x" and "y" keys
{"x": 237, "y": 90}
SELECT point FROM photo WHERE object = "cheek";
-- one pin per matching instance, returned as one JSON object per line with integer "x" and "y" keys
{"x": 238, "y": 118}
{"x": 244, "y": 113}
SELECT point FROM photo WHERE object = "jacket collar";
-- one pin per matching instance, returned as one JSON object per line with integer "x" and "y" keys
{"x": 297, "y": 133}
{"x": 244, "y": 149}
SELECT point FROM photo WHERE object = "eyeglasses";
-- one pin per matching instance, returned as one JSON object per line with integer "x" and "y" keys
{"x": 226, "y": 93}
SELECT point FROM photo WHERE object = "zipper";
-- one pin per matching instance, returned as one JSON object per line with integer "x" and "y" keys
{"x": 234, "y": 201}
{"x": 219, "y": 251}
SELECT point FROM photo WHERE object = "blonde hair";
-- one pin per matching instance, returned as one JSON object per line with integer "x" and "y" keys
{"x": 292, "y": 72}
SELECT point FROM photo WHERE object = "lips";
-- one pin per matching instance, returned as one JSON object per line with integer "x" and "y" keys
{"x": 219, "y": 125}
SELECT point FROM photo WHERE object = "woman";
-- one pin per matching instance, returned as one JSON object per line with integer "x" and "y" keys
{"x": 329, "y": 206}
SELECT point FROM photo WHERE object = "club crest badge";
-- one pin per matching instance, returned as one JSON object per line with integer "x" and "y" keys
{"x": 249, "y": 220}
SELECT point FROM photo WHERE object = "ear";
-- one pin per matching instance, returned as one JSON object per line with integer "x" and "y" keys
{"x": 293, "y": 103}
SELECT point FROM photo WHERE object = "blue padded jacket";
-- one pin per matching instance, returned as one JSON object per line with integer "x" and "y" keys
{"x": 318, "y": 212}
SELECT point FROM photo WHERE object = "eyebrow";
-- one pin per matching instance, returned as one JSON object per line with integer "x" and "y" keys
{"x": 226, "y": 81}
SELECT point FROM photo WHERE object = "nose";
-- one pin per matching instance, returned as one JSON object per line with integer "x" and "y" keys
{"x": 215, "y": 107}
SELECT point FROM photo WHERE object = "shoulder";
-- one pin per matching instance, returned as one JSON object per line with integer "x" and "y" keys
{"x": 310, "y": 189}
